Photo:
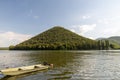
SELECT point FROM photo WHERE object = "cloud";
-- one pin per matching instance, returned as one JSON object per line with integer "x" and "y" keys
{"x": 12, "y": 38}
{"x": 104, "y": 21}
{"x": 82, "y": 29}
{"x": 72, "y": 30}
{"x": 109, "y": 20}
{"x": 111, "y": 32}
{"x": 86, "y": 17}
{"x": 109, "y": 26}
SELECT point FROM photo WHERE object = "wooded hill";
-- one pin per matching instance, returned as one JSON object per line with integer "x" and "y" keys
{"x": 114, "y": 41}
{"x": 57, "y": 38}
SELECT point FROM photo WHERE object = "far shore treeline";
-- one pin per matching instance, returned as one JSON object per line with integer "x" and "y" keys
{"x": 59, "y": 38}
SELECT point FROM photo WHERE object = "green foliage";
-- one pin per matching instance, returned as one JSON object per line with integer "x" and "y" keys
{"x": 114, "y": 46}
{"x": 57, "y": 38}
{"x": 11, "y": 47}
{"x": 103, "y": 45}
{"x": 114, "y": 42}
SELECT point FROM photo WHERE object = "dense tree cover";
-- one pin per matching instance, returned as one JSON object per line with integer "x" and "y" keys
{"x": 59, "y": 38}
{"x": 108, "y": 44}
{"x": 103, "y": 45}
{"x": 114, "y": 42}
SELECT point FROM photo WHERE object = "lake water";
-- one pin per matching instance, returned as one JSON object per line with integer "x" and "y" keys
{"x": 68, "y": 65}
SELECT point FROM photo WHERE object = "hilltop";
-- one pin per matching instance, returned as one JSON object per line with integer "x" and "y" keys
{"x": 57, "y": 38}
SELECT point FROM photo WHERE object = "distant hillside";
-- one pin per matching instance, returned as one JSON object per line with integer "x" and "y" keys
{"x": 114, "y": 41}
{"x": 57, "y": 38}
{"x": 101, "y": 39}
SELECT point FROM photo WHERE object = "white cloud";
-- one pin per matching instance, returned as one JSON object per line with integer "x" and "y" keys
{"x": 86, "y": 17}
{"x": 82, "y": 29}
{"x": 104, "y": 21}
{"x": 11, "y": 38}
{"x": 109, "y": 26}
{"x": 85, "y": 28}
{"x": 109, "y": 20}
{"x": 72, "y": 30}
{"x": 111, "y": 32}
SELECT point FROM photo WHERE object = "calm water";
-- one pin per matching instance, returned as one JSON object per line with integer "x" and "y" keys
{"x": 68, "y": 65}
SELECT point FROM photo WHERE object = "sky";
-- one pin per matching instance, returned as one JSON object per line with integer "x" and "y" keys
{"x": 23, "y": 19}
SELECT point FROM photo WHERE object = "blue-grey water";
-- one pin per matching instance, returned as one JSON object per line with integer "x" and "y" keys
{"x": 68, "y": 65}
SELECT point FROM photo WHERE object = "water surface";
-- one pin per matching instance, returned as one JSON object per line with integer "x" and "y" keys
{"x": 68, "y": 65}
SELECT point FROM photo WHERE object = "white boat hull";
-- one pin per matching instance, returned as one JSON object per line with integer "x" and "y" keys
{"x": 23, "y": 70}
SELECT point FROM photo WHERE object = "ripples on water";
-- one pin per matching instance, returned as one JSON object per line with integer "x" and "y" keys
{"x": 68, "y": 65}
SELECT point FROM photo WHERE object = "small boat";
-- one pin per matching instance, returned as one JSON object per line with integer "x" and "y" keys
{"x": 24, "y": 69}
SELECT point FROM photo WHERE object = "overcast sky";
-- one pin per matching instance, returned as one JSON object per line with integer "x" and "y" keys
{"x": 22, "y": 19}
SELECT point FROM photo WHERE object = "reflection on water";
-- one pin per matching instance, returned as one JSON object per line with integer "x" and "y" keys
{"x": 68, "y": 65}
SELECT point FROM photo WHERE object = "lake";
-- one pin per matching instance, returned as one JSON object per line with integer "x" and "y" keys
{"x": 68, "y": 65}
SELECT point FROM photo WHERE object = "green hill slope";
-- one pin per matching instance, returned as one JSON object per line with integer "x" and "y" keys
{"x": 57, "y": 38}
{"x": 114, "y": 41}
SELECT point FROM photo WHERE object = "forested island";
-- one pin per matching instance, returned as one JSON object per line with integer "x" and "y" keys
{"x": 59, "y": 38}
